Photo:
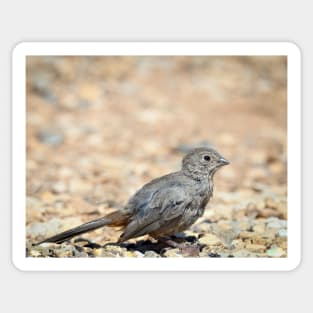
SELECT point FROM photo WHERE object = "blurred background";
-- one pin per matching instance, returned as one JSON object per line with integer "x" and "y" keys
{"x": 98, "y": 128}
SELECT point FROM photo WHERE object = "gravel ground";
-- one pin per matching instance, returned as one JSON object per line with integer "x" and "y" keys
{"x": 98, "y": 128}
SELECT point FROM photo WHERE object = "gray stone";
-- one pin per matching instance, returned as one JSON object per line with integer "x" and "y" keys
{"x": 138, "y": 254}
{"x": 44, "y": 229}
{"x": 65, "y": 251}
{"x": 274, "y": 222}
{"x": 59, "y": 187}
{"x": 51, "y": 137}
{"x": 275, "y": 252}
{"x": 173, "y": 253}
{"x": 282, "y": 233}
{"x": 151, "y": 254}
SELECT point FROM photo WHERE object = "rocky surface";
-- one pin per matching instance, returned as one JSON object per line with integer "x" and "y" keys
{"x": 99, "y": 128}
{"x": 237, "y": 237}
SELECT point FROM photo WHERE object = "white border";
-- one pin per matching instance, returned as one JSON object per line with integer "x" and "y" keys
{"x": 152, "y": 264}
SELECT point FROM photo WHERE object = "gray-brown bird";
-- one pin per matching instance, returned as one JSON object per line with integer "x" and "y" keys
{"x": 164, "y": 206}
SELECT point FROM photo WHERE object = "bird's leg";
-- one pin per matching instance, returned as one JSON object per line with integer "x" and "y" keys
{"x": 186, "y": 248}
{"x": 170, "y": 242}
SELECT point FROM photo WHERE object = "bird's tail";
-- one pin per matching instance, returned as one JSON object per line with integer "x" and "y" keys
{"x": 116, "y": 218}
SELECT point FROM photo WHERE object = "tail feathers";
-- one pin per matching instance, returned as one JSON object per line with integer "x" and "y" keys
{"x": 84, "y": 228}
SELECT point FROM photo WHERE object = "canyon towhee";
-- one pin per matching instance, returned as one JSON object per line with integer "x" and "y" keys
{"x": 164, "y": 206}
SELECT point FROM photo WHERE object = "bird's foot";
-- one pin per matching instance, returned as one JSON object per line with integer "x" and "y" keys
{"x": 187, "y": 249}
{"x": 192, "y": 250}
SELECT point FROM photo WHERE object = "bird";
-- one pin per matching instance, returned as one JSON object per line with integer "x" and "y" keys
{"x": 164, "y": 206}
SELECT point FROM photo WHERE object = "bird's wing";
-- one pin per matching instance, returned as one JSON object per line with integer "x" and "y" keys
{"x": 161, "y": 209}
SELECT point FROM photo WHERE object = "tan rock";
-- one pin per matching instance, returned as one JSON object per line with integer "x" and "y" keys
{"x": 255, "y": 248}
{"x": 277, "y": 168}
{"x": 34, "y": 253}
{"x": 173, "y": 253}
{"x": 59, "y": 187}
{"x": 246, "y": 235}
{"x": 258, "y": 157}
{"x": 209, "y": 239}
{"x": 259, "y": 228}
{"x": 79, "y": 186}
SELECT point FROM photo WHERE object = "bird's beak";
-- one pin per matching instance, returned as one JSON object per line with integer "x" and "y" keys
{"x": 223, "y": 161}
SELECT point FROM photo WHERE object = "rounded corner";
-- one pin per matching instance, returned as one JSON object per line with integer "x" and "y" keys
{"x": 295, "y": 264}
{"x": 294, "y": 47}
{"x": 17, "y": 264}
{"x": 18, "y": 48}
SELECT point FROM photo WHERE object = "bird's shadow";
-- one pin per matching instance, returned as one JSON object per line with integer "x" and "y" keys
{"x": 145, "y": 245}
{"x": 141, "y": 245}
{"x": 158, "y": 247}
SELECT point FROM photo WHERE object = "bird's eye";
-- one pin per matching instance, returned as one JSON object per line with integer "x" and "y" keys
{"x": 207, "y": 158}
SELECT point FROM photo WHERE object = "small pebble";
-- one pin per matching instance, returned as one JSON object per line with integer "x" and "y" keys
{"x": 255, "y": 248}
{"x": 138, "y": 254}
{"x": 275, "y": 252}
{"x": 65, "y": 251}
{"x": 209, "y": 239}
{"x": 282, "y": 233}
{"x": 243, "y": 253}
{"x": 151, "y": 254}
{"x": 51, "y": 137}
{"x": 59, "y": 187}
{"x": 173, "y": 253}
{"x": 259, "y": 228}
{"x": 34, "y": 253}
{"x": 44, "y": 229}
{"x": 274, "y": 222}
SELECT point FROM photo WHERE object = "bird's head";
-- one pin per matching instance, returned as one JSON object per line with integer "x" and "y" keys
{"x": 202, "y": 163}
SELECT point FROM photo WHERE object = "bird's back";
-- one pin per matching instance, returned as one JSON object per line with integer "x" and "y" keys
{"x": 145, "y": 194}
